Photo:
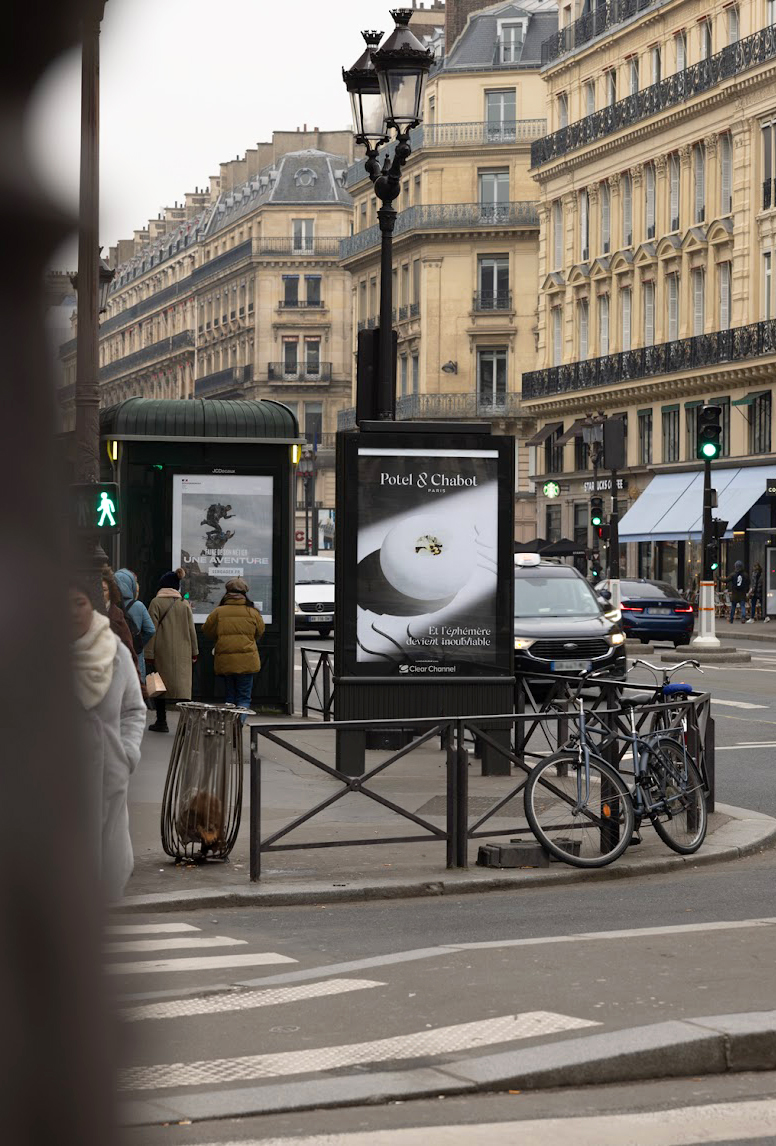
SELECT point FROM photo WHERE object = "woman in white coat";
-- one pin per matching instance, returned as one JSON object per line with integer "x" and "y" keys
{"x": 108, "y": 690}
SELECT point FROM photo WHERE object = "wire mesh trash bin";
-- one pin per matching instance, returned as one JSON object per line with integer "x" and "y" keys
{"x": 203, "y": 791}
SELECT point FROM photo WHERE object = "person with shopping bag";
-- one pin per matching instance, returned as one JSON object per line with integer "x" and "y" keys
{"x": 235, "y": 625}
{"x": 172, "y": 650}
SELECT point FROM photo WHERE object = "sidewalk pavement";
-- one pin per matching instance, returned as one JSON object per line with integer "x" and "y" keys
{"x": 756, "y": 631}
{"x": 290, "y": 786}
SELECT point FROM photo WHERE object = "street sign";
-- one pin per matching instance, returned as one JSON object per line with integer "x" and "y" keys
{"x": 96, "y": 507}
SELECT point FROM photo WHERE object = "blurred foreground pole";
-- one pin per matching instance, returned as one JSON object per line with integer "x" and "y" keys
{"x": 56, "y": 1076}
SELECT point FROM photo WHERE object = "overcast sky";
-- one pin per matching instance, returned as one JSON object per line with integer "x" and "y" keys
{"x": 188, "y": 84}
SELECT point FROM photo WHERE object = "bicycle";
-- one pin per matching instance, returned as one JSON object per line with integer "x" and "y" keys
{"x": 586, "y": 815}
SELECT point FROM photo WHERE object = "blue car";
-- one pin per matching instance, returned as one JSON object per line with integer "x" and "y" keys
{"x": 653, "y": 611}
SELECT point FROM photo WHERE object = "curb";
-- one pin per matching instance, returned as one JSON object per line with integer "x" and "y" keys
{"x": 714, "y": 1044}
{"x": 746, "y": 832}
{"x": 719, "y": 656}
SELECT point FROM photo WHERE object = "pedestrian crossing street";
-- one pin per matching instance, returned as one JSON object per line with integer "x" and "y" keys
{"x": 182, "y": 944}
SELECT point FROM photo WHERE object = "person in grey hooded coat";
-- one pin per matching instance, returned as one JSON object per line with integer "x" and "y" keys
{"x": 134, "y": 608}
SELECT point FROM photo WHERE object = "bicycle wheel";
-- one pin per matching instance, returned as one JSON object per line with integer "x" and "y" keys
{"x": 585, "y": 826}
{"x": 675, "y": 792}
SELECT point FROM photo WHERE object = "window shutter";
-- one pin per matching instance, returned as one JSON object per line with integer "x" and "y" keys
{"x": 724, "y": 296}
{"x": 700, "y": 183}
{"x": 649, "y": 314}
{"x": 584, "y": 221}
{"x": 681, "y": 52}
{"x": 557, "y": 350}
{"x": 605, "y": 218}
{"x": 698, "y": 315}
{"x": 675, "y": 183}
{"x": 650, "y": 192}
{"x": 726, "y": 181}
{"x": 583, "y": 325}
{"x": 603, "y": 324}
{"x": 673, "y": 309}
{"x": 627, "y": 212}
{"x": 626, "y": 319}
{"x": 557, "y": 235}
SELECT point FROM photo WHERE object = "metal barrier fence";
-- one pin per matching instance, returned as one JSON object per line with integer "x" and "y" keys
{"x": 318, "y": 682}
{"x": 531, "y": 736}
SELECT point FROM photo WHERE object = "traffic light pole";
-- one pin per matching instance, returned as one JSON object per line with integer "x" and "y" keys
{"x": 706, "y": 638}
{"x": 614, "y": 547}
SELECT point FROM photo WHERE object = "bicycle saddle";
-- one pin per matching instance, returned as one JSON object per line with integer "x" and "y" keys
{"x": 634, "y": 699}
{"x": 677, "y": 689}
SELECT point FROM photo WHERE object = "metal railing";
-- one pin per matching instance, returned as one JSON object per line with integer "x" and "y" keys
{"x": 516, "y": 740}
{"x": 346, "y": 419}
{"x": 700, "y": 77}
{"x": 450, "y": 216}
{"x": 477, "y": 134}
{"x": 414, "y": 310}
{"x": 279, "y": 372}
{"x": 300, "y": 304}
{"x": 735, "y": 345}
{"x": 420, "y": 406}
{"x": 492, "y": 300}
{"x": 605, "y": 16}
{"x": 222, "y": 381}
{"x": 313, "y": 245}
{"x": 318, "y": 682}
{"x": 164, "y": 348}
{"x": 221, "y": 262}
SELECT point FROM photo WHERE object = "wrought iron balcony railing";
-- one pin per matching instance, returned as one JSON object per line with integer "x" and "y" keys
{"x": 676, "y": 89}
{"x": 222, "y": 262}
{"x": 414, "y": 309}
{"x": 607, "y": 14}
{"x": 161, "y": 349}
{"x": 300, "y": 304}
{"x": 479, "y": 134}
{"x": 457, "y": 406}
{"x": 447, "y": 216}
{"x": 735, "y": 345}
{"x": 492, "y": 300}
{"x": 404, "y": 313}
{"x": 325, "y": 441}
{"x": 306, "y": 245}
{"x": 223, "y": 381}
{"x": 346, "y": 419}
{"x": 280, "y": 372}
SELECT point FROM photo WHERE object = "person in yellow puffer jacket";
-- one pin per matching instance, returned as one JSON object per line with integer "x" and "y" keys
{"x": 235, "y": 625}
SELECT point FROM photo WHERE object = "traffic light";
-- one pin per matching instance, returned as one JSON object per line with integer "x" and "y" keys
{"x": 709, "y": 444}
{"x": 604, "y": 532}
{"x": 96, "y": 507}
{"x": 596, "y": 511}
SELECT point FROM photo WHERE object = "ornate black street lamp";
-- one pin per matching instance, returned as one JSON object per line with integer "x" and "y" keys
{"x": 387, "y": 86}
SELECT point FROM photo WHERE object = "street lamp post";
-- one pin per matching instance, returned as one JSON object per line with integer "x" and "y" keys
{"x": 92, "y": 282}
{"x": 386, "y": 86}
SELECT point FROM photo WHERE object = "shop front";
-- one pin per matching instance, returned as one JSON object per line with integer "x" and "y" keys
{"x": 664, "y": 524}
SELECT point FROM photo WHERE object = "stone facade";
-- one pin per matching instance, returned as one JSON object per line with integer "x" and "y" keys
{"x": 658, "y": 209}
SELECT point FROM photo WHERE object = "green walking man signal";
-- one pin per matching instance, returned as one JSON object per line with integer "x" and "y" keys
{"x": 96, "y": 507}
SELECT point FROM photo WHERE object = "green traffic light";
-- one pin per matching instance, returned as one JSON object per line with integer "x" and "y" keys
{"x": 709, "y": 449}
{"x": 595, "y": 520}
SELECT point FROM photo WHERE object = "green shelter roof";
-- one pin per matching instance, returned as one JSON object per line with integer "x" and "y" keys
{"x": 199, "y": 419}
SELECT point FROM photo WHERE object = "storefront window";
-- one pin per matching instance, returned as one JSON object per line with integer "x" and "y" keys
{"x": 645, "y": 559}
{"x": 668, "y": 562}
{"x": 553, "y": 523}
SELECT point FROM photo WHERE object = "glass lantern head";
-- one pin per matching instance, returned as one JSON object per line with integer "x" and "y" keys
{"x": 402, "y": 66}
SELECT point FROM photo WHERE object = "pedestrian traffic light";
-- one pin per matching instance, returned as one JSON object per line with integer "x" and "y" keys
{"x": 718, "y": 530}
{"x": 604, "y": 532}
{"x": 96, "y": 507}
{"x": 709, "y": 433}
{"x": 713, "y": 552}
{"x": 596, "y": 511}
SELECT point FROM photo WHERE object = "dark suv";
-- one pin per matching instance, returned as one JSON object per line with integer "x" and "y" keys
{"x": 561, "y": 626}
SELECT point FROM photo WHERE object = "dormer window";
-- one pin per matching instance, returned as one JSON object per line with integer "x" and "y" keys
{"x": 510, "y": 41}
{"x": 305, "y": 177}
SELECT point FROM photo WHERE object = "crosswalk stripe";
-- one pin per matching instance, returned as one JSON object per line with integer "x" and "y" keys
{"x": 440, "y": 1040}
{"x": 723, "y": 1122}
{"x": 149, "y": 928}
{"x": 244, "y": 1000}
{"x": 181, "y": 942}
{"x": 738, "y": 703}
{"x": 196, "y": 963}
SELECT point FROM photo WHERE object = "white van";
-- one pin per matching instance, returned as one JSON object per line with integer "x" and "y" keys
{"x": 314, "y": 594}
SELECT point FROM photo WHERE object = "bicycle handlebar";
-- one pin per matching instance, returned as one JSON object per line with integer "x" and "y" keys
{"x": 668, "y": 673}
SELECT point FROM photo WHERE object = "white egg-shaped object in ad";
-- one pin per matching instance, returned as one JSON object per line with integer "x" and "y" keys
{"x": 428, "y": 556}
